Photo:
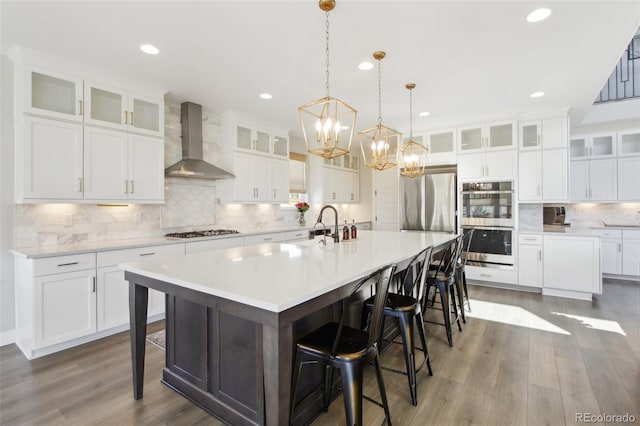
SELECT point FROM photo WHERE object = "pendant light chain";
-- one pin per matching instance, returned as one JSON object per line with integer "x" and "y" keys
{"x": 379, "y": 92}
{"x": 326, "y": 35}
{"x": 410, "y": 114}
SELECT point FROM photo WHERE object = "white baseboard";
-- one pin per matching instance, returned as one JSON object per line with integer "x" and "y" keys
{"x": 7, "y": 337}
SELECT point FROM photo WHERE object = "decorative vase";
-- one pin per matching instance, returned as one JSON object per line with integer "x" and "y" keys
{"x": 301, "y": 221}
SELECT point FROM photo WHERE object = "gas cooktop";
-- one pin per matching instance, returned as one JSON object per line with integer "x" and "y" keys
{"x": 207, "y": 233}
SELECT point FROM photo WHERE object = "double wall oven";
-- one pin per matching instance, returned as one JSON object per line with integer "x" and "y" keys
{"x": 487, "y": 208}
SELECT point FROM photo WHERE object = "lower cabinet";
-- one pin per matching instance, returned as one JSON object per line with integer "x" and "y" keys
{"x": 631, "y": 252}
{"x": 571, "y": 266}
{"x": 611, "y": 247}
{"x": 530, "y": 260}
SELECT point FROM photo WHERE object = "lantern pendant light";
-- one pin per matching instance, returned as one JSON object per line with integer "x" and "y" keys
{"x": 379, "y": 144}
{"x": 413, "y": 155}
{"x": 327, "y": 123}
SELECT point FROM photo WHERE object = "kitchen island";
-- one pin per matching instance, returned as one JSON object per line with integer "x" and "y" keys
{"x": 234, "y": 315}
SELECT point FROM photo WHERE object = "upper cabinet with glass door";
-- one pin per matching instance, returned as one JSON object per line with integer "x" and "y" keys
{"x": 495, "y": 136}
{"x": 629, "y": 143}
{"x": 53, "y": 94}
{"x": 120, "y": 109}
{"x": 442, "y": 147}
{"x": 546, "y": 133}
{"x": 592, "y": 146}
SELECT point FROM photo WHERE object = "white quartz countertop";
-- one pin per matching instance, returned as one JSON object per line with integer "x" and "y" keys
{"x": 276, "y": 276}
{"x": 576, "y": 231}
{"x": 96, "y": 246}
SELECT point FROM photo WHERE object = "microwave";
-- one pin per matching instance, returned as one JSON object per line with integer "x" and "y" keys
{"x": 554, "y": 216}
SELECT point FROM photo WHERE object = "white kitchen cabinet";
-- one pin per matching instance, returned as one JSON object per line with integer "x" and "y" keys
{"x": 487, "y": 165}
{"x": 247, "y": 134}
{"x": 631, "y": 252}
{"x": 586, "y": 147}
{"x": 297, "y": 235}
{"x": 49, "y": 161}
{"x": 530, "y": 260}
{"x": 500, "y": 135}
{"x": 442, "y": 146}
{"x": 611, "y": 246}
{"x": 530, "y": 176}
{"x": 113, "y": 290}
{"x": 629, "y": 179}
{"x": 279, "y": 181}
{"x": 280, "y": 146}
{"x": 629, "y": 143}
{"x": 121, "y": 109}
{"x": 253, "y": 181}
{"x": 555, "y": 175}
{"x": 213, "y": 244}
{"x": 594, "y": 180}
{"x": 52, "y": 94}
{"x": 571, "y": 266}
{"x": 55, "y": 301}
{"x": 121, "y": 166}
{"x": 546, "y": 133}
{"x": 340, "y": 186}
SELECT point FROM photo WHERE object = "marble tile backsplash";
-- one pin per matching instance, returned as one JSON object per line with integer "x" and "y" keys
{"x": 581, "y": 215}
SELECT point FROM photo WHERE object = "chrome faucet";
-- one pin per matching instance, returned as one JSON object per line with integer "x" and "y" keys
{"x": 335, "y": 235}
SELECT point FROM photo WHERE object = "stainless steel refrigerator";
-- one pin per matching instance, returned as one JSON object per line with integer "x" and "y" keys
{"x": 429, "y": 202}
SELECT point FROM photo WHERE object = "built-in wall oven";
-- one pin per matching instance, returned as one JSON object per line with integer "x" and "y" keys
{"x": 487, "y": 208}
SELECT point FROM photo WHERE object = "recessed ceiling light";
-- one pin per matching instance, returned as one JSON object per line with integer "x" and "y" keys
{"x": 149, "y": 49}
{"x": 538, "y": 15}
{"x": 424, "y": 113}
{"x": 265, "y": 96}
{"x": 537, "y": 94}
{"x": 365, "y": 66}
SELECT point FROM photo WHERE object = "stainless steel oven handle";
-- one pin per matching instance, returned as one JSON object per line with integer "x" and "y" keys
{"x": 510, "y": 191}
{"x": 490, "y": 228}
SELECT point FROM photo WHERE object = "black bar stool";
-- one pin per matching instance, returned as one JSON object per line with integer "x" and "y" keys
{"x": 443, "y": 278}
{"x": 461, "y": 278}
{"x": 406, "y": 305}
{"x": 336, "y": 345}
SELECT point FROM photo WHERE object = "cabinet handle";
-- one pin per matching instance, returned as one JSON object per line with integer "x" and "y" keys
{"x": 538, "y": 191}
{"x": 590, "y": 193}
{"x": 528, "y": 238}
{"x": 151, "y": 253}
{"x": 80, "y": 185}
{"x": 619, "y": 247}
{"x": 274, "y": 193}
{"x": 586, "y": 193}
{"x": 131, "y": 115}
{"x": 93, "y": 284}
{"x": 67, "y": 264}
{"x": 268, "y": 239}
{"x": 486, "y": 275}
{"x": 126, "y": 186}
{"x": 257, "y": 192}
{"x": 80, "y": 105}
{"x": 125, "y": 118}
{"x": 539, "y": 255}
{"x": 333, "y": 195}
{"x": 131, "y": 186}
{"x": 538, "y": 140}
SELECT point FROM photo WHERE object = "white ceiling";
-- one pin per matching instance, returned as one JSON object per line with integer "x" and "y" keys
{"x": 467, "y": 58}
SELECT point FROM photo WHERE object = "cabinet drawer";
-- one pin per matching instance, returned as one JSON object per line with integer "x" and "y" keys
{"x": 631, "y": 234}
{"x": 297, "y": 235}
{"x": 59, "y": 264}
{"x": 115, "y": 257}
{"x": 364, "y": 226}
{"x": 529, "y": 239}
{"x": 265, "y": 238}
{"x": 608, "y": 233}
{"x": 508, "y": 276}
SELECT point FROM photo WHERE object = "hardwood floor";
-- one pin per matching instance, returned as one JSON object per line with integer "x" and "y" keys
{"x": 564, "y": 357}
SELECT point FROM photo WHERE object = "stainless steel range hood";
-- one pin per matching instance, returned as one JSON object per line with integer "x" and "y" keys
{"x": 192, "y": 165}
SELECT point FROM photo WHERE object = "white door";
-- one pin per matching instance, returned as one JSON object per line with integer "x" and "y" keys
{"x": 501, "y": 164}
{"x": 112, "y": 297}
{"x": 146, "y": 168}
{"x": 530, "y": 265}
{"x": 243, "y": 189}
{"x": 53, "y": 94}
{"x": 530, "y": 176}
{"x": 611, "y": 256}
{"x": 471, "y": 166}
{"x": 579, "y": 181}
{"x": 105, "y": 106}
{"x": 52, "y": 167}
{"x": 146, "y": 114}
{"x": 105, "y": 164}
{"x": 554, "y": 175}
{"x": 501, "y": 135}
{"x": 572, "y": 263}
{"x": 631, "y": 257}
{"x": 554, "y": 133}
{"x": 353, "y": 187}
{"x": 603, "y": 180}
{"x": 629, "y": 179}
{"x": 262, "y": 178}
{"x": 329, "y": 185}
{"x": 280, "y": 180}
{"x": 386, "y": 207}
{"x": 65, "y": 307}
{"x": 470, "y": 139}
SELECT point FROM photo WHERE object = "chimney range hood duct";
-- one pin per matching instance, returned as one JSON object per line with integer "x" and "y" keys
{"x": 192, "y": 165}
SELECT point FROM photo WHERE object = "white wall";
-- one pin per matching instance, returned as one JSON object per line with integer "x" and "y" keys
{"x": 7, "y": 312}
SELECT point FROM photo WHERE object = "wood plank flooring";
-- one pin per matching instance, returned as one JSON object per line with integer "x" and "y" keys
{"x": 566, "y": 357}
